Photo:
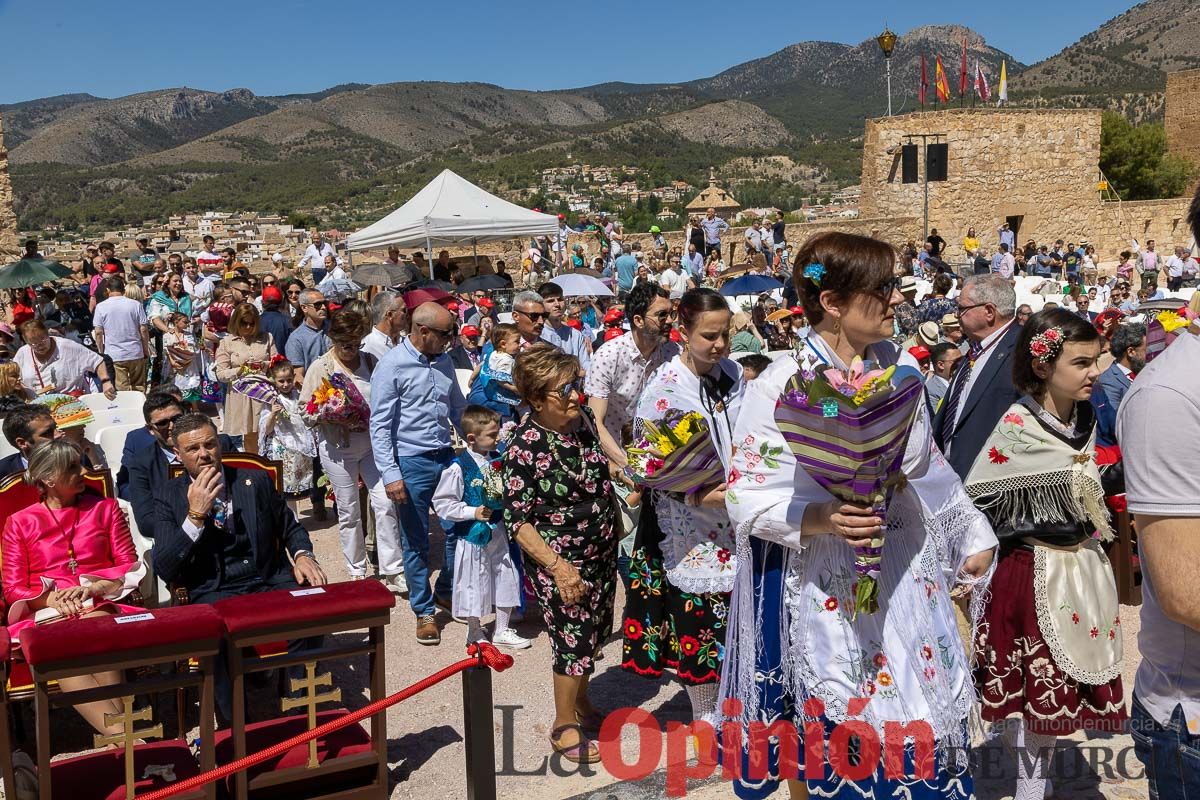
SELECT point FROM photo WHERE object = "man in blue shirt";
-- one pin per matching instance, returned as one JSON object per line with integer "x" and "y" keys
{"x": 713, "y": 227}
{"x": 627, "y": 268}
{"x": 693, "y": 261}
{"x": 308, "y": 342}
{"x": 1007, "y": 236}
{"x": 556, "y": 331}
{"x": 414, "y": 400}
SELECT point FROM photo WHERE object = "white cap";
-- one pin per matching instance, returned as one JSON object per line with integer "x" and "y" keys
{"x": 277, "y": 257}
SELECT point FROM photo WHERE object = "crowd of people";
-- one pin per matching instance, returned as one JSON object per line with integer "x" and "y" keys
{"x": 994, "y": 591}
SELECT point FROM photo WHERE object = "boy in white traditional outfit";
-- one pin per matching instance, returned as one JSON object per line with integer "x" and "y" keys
{"x": 485, "y": 577}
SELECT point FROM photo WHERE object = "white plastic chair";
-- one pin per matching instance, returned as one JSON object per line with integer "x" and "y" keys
{"x": 464, "y": 380}
{"x": 154, "y": 591}
{"x": 108, "y": 417}
{"x": 111, "y": 441}
{"x": 98, "y": 402}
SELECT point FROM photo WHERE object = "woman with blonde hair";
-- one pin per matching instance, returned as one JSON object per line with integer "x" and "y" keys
{"x": 13, "y": 392}
{"x": 245, "y": 351}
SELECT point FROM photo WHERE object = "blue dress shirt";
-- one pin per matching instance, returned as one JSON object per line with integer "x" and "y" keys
{"x": 414, "y": 400}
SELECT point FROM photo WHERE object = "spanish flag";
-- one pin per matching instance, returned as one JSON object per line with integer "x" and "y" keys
{"x": 940, "y": 82}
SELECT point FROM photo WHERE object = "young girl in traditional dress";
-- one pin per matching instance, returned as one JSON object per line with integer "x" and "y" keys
{"x": 183, "y": 355}
{"x": 285, "y": 437}
{"x": 1048, "y": 651}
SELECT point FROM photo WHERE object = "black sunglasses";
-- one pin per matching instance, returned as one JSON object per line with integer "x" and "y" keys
{"x": 567, "y": 389}
{"x": 163, "y": 424}
{"x": 536, "y": 316}
{"x": 318, "y": 304}
{"x": 887, "y": 287}
{"x": 445, "y": 334}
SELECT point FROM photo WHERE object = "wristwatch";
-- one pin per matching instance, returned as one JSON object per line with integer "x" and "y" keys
{"x": 308, "y": 553}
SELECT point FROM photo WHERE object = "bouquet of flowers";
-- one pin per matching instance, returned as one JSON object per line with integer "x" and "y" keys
{"x": 337, "y": 402}
{"x": 675, "y": 454}
{"x": 849, "y": 430}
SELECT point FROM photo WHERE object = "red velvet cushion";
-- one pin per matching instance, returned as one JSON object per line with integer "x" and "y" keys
{"x": 252, "y": 612}
{"x": 19, "y": 676}
{"x": 348, "y": 741}
{"x": 5, "y": 644}
{"x": 78, "y": 638}
{"x": 101, "y": 775}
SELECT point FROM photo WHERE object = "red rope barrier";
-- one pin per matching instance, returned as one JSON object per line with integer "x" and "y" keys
{"x": 485, "y": 654}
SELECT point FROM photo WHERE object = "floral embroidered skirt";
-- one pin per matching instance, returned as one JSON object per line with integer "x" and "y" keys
{"x": 664, "y": 626}
{"x": 1016, "y": 673}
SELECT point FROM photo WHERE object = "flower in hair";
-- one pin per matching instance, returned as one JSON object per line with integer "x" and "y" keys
{"x": 1047, "y": 344}
{"x": 815, "y": 272}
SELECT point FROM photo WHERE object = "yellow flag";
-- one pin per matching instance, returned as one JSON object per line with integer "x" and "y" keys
{"x": 1002, "y": 94}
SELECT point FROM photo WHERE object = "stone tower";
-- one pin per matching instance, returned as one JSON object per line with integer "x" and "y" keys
{"x": 1183, "y": 114}
{"x": 9, "y": 248}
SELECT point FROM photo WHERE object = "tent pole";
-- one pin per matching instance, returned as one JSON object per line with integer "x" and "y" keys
{"x": 429, "y": 254}
{"x": 475, "y": 254}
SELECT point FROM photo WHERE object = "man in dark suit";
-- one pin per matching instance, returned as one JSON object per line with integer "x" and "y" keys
{"x": 222, "y": 532}
{"x": 25, "y": 427}
{"x": 148, "y": 456}
{"x": 1128, "y": 348}
{"x": 981, "y": 389}
{"x": 467, "y": 353}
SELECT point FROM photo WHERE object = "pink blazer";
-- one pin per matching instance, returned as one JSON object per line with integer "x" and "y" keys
{"x": 35, "y": 551}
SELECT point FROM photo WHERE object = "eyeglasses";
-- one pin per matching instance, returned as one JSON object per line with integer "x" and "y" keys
{"x": 293, "y": 292}
{"x": 535, "y": 316}
{"x": 318, "y": 304}
{"x": 958, "y": 312}
{"x": 164, "y": 424}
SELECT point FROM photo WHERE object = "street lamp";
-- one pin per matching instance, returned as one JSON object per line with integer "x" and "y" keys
{"x": 887, "y": 43}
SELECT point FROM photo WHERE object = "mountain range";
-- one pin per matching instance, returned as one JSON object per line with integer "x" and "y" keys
{"x": 80, "y": 159}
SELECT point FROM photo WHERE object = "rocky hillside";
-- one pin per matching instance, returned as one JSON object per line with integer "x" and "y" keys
{"x": 1121, "y": 62}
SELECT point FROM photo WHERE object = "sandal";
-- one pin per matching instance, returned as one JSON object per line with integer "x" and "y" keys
{"x": 585, "y": 752}
{"x": 591, "y": 721}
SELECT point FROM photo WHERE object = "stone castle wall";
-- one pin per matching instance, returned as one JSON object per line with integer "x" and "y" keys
{"x": 1039, "y": 165}
{"x": 9, "y": 248}
{"x": 1183, "y": 114}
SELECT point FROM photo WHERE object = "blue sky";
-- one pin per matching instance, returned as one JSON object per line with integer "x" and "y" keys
{"x": 116, "y": 47}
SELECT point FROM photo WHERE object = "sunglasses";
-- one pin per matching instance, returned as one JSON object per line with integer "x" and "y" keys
{"x": 445, "y": 334}
{"x": 164, "y": 424}
{"x": 567, "y": 389}
{"x": 293, "y": 292}
{"x": 320, "y": 304}
{"x": 536, "y": 316}
{"x": 887, "y": 287}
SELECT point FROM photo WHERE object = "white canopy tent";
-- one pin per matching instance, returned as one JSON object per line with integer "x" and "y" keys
{"x": 451, "y": 210}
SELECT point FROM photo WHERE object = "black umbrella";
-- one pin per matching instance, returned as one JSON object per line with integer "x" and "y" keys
{"x": 385, "y": 274}
{"x": 483, "y": 283}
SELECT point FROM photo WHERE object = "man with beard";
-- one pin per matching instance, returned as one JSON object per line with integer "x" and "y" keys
{"x": 1128, "y": 347}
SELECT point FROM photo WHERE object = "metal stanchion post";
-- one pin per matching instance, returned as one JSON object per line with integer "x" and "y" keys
{"x": 479, "y": 733}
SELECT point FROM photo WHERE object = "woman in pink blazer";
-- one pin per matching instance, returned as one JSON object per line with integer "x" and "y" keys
{"x": 69, "y": 555}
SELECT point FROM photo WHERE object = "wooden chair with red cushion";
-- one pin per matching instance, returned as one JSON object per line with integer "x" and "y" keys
{"x": 128, "y": 645}
{"x": 349, "y": 763}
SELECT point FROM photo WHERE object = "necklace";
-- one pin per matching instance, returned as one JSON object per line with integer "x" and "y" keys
{"x": 72, "y": 563}
{"x": 558, "y": 457}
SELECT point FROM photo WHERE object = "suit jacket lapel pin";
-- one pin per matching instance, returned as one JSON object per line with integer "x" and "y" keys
{"x": 247, "y": 481}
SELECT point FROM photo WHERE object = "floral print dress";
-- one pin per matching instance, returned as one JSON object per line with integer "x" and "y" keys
{"x": 558, "y": 483}
{"x": 683, "y": 561}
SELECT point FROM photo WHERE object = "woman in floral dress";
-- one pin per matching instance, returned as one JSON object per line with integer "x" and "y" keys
{"x": 683, "y": 563}
{"x": 559, "y": 508}
{"x": 795, "y": 650}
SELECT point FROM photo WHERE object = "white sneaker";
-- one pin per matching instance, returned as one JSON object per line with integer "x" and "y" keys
{"x": 509, "y": 638}
{"x": 396, "y": 583}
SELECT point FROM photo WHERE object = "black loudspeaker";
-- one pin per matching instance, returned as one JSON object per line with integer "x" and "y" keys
{"x": 936, "y": 156}
{"x": 908, "y": 163}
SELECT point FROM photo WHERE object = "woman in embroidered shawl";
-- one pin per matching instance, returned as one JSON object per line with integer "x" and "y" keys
{"x": 683, "y": 567}
{"x": 1048, "y": 650}
{"x": 794, "y": 650}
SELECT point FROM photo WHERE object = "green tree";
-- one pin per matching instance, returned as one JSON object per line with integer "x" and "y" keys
{"x": 1135, "y": 160}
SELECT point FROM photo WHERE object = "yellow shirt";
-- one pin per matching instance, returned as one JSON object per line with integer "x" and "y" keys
{"x": 970, "y": 243}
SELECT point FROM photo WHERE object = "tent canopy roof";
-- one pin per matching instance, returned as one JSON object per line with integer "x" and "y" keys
{"x": 451, "y": 210}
